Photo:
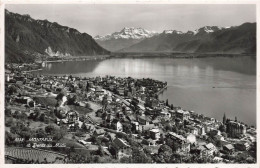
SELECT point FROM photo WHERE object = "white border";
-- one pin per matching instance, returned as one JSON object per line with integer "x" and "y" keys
{"x": 2, "y": 7}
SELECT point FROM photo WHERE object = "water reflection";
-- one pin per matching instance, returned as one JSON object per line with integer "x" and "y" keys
{"x": 212, "y": 86}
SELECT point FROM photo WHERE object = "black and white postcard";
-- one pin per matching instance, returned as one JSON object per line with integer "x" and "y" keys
{"x": 162, "y": 84}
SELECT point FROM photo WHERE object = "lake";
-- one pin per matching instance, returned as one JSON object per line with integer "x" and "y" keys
{"x": 210, "y": 86}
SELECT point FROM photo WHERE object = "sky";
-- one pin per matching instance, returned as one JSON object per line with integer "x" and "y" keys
{"x": 102, "y": 19}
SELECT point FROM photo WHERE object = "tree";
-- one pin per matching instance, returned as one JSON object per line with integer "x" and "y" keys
{"x": 7, "y": 112}
{"x": 84, "y": 127}
{"x": 173, "y": 144}
{"x": 100, "y": 151}
{"x": 46, "y": 120}
{"x": 156, "y": 96}
{"x": 224, "y": 134}
{"x": 165, "y": 152}
{"x": 23, "y": 116}
{"x": 51, "y": 113}
{"x": 63, "y": 130}
{"x": 42, "y": 117}
{"x": 9, "y": 138}
{"x": 31, "y": 103}
{"x": 87, "y": 106}
{"x": 88, "y": 87}
{"x": 72, "y": 100}
{"x": 172, "y": 106}
{"x": 219, "y": 143}
{"x": 125, "y": 159}
{"x": 11, "y": 90}
{"x": 60, "y": 96}
{"x": 127, "y": 128}
{"x": 104, "y": 102}
{"x": 96, "y": 159}
{"x": 9, "y": 122}
{"x": 17, "y": 114}
{"x": 140, "y": 157}
{"x": 36, "y": 114}
{"x": 222, "y": 128}
{"x": 50, "y": 129}
{"x": 40, "y": 133}
{"x": 168, "y": 127}
{"x": 161, "y": 139}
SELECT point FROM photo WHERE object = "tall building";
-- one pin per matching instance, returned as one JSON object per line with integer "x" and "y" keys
{"x": 235, "y": 129}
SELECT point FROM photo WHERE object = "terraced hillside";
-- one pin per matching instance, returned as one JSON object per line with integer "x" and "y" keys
{"x": 35, "y": 155}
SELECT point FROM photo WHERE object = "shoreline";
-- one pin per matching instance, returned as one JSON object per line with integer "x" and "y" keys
{"x": 78, "y": 58}
{"x": 157, "y": 93}
{"x": 148, "y": 55}
{"x": 161, "y": 90}
{"x": 176, "y": 55}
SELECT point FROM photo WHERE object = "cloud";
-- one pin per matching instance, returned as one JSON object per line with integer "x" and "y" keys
{"x": 96, "y": 19}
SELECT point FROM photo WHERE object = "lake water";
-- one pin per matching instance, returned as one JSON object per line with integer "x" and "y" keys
{"x": 209, "y": 86}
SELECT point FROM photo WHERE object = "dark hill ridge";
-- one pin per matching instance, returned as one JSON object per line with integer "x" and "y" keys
{"x": 27, "y": 39}
{"x": 235, "y": 40}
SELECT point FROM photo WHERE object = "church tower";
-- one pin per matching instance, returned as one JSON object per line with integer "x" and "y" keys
{"x": 224, "y": 119}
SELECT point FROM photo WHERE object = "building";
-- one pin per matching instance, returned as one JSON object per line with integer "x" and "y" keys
{"x": 182, "y": 115}
{"x": 99, "y": 132}
{"x": 210, "y": 149}
{"x": 192, "y": 129}
{"x": 242, "y": 145}
{"x": 116, "y": 125}
{"x": 218, "y": 138}
{"x": 191, "y": 138}
{"x": 235, "y": 129}
{"x": 184, "y": 146}
{"x": 201, "y": 130}
{"x": 121, "y": 147}
{"x": 229, "y": 148}
{"x": 143, "y": 128}
{"x": 72, "y": 117}
{"x": 155, "y": 133}
{"x": 143, "y": 120}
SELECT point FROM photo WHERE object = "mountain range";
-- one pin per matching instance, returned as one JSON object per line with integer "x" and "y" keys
{"x": 27, "y": 39}
{"x": 207, "y": 39}
{"x": 127, "y": 37}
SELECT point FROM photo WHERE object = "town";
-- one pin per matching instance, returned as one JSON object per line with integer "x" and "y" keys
{"x": 111, "y": 120}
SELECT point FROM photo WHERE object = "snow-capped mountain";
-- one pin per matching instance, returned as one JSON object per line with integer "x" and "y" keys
{"x": 172, "y": 31}
{"x": 207, "y": 29}
{"x": 128, "y": 33}
{"x": 206, "y": 39}
{"x": 125, "y": 38}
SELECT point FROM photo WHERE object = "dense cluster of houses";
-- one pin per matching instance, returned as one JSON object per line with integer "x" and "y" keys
{"x": 131, "y": 107}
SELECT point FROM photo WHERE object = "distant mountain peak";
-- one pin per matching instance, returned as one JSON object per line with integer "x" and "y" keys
{"x": 207, "y": 29}
{"x": 172, "y": 32}
{"x": 128, "y": 33}
{"x": 202, "y": 30}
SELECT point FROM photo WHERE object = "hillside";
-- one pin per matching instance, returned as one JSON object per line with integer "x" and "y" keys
{"x": 27, "y": 39}
{"x": 239, "y": 39}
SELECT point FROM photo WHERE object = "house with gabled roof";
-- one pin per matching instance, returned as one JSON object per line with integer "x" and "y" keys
{"x": 121, "y": 148}
{"x": 99, "y": 132}
{"x": 210, "y": 149}
{"x": 117, "y": 125}
{"x": 229, "y": 148}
